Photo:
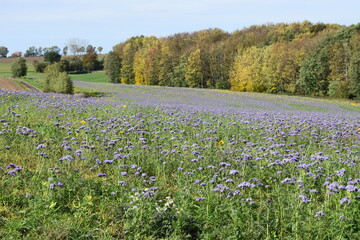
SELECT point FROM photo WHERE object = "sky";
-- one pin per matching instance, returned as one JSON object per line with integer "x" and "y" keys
{"x": 105, "y": 23}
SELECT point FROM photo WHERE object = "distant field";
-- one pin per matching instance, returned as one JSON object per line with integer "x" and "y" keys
{"x": 98, "y": 76}
{"x": 36, "y": 78}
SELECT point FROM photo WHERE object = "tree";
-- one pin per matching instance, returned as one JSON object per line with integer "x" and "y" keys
{"x": 77, "y": 45}
{"x": 31, "y": 52}
{"x": 75, "y": 63}
{"x": 52, "y": 57}
{"x": 3, "y": 51}
{"x": 65, "y": 50}
{"x": 99, "y": 48}
{"x": 90, "y": 49}
{"x": 56, "y": 80}
{"x": 246, "y": 73}
{"x": 193, "y": 75}
{"x": 90, "y": 59}
{"x": 177, "y": 77}
{"x": 18, "y": 67}
{"x": 112, "y": 67}
{"x": 16, "y": 54}
{"x": 354, "y": 69}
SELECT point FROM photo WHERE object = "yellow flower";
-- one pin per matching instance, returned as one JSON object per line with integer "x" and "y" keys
{"x": 122, "y": 132}
{"x": 359, "y": 130}
{"x": 221, "y": 142}
{"x": 83, "y": 121}
{"x": 124, "y": 106}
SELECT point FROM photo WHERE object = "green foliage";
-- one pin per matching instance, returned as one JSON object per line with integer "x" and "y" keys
{"x": 40, "y": 66}
{"x": 52, "y": 57}
{"x": 3, "y": 51}
{"x": 193, "y": 74}
{"x": 18, "y": 67}
{"x": 330, "y": 61}
{"x": 112, "y": 67}
{"x": 56, "y": 80}
{"x": 75, "y": 64}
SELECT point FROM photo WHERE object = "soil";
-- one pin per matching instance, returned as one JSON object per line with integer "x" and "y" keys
{"x": 10, "y": 85}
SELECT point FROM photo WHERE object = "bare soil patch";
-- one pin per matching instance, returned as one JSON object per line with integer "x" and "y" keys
{"x": 30, "y": 59}
{"x": 9, "y": 84}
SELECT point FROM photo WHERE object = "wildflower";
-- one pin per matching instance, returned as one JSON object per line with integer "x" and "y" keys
{"x": 101, "y": 174}
{"x": 124, "y": 106}
{"x": 221, "y": 142}
{"x": 233, "y": 172}
{"x": 345, "y": 200}
{"x": 319, "y": 214}
{"x": 200, "y": 199}
{"x": 122, "y": 183}
{"x": 83, "y": 121}
{"x": 358, "y": 130}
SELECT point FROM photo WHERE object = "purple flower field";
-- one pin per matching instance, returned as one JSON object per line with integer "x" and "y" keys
{"x": 170, "y": 163}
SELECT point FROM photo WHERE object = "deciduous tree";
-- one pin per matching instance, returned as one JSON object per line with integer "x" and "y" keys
{"x": 3, "y": 51}
{"x": 18, "y": 67}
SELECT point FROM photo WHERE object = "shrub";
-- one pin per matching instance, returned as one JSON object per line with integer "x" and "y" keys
{"x": 18, "y": 67}
{"x": 75, "y": 64}
{"x": 39, "y": 66}
{"x": 56, "y": 80}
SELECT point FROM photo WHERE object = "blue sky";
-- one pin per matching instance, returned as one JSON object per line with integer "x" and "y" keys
{"x": 45, "y": 23}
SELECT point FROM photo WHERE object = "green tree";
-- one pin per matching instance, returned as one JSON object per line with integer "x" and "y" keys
{"x": 31, "y": 52}
{"x": 40, "y": 66}
{"x": 52, "y": 57}
{"x": 3, "y": 51}
{"x": 56, "y": 80}
{"x": 112, "y": 67}
{"x": 75, "y": 63}
{"x": 18, "y": 67}
{"x": 65, "y": 50}
{"x": 177, "y": 77}
{"x": 193, "y": 74}
{"x": 354, "y": 68}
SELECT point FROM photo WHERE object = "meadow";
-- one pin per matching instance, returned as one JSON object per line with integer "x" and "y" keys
{"x": 172, "y": 163}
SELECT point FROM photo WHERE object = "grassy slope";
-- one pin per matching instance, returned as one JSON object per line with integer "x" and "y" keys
{"x": 34, "y": 78}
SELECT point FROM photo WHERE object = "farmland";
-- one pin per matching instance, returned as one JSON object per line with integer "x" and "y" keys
{"x": 148, "y": 162}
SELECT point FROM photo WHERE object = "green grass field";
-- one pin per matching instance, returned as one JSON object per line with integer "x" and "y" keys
{"x": 36, "y": 79}
{"x": 98, "y": 76}
{"x": 5, "y": 69}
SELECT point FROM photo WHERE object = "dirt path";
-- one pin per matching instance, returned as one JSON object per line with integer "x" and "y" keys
{"x": 31, "y": 87}
{"x": 10, "y": 85}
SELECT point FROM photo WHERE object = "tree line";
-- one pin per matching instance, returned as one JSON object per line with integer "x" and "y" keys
{"x": 298, "y": 58}
{"x": 76, "y": 46}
